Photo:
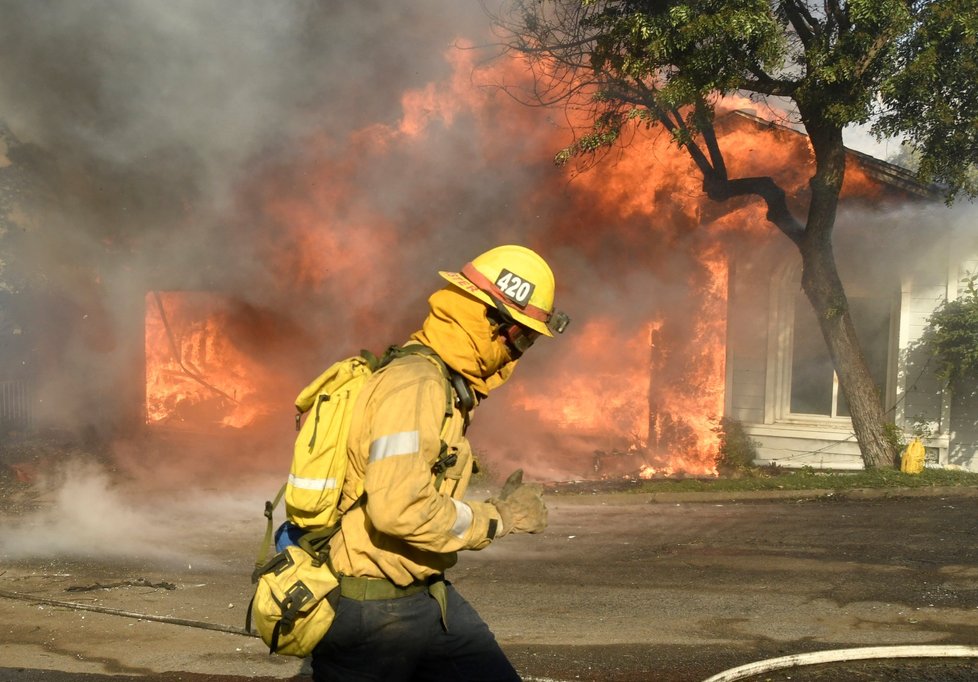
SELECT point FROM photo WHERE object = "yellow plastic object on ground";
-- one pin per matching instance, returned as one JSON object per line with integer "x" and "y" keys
{"x": 912, "y": 459}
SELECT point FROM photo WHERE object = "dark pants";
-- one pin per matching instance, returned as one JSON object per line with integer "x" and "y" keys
{"x": 403, "y": 639}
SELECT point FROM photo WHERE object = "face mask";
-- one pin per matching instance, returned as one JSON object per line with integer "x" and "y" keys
{"x": 459, "y": 330}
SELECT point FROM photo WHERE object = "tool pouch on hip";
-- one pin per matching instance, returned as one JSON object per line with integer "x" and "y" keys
{"x": 290, "y": 609}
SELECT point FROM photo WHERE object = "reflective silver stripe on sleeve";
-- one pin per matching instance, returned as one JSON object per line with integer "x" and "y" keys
{"x": 312, "y": 483}
{"x": 403, "y": 443}
{"x": 463, "y": 519}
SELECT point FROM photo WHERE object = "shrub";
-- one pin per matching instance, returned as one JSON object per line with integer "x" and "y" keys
{"x": 737, "y": 450}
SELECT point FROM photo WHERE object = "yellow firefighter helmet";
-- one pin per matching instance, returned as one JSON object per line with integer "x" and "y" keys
{"x": 518, "y": 283}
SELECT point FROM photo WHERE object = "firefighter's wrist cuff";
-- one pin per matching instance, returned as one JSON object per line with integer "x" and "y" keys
{"x": 486, "y": 525}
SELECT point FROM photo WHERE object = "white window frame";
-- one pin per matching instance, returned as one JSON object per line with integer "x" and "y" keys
{"x": 777, "y": 404}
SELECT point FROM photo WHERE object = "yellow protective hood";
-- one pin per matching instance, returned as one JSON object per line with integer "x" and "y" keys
{"x": 457, "y": 329}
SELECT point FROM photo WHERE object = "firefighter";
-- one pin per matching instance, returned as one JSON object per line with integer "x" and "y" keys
{"x": 397, "y": 618}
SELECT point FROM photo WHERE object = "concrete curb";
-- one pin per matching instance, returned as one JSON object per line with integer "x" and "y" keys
{"x": 630, "y": 498}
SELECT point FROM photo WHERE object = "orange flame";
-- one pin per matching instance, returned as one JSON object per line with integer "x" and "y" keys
{"x": 193, "y": 373}
{"x": 605, "y": 401}
{"x": 636, "y": 384}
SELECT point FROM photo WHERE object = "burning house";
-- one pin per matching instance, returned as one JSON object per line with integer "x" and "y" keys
{"x": 176, "y": 269}
{"x": 623, "y": 395}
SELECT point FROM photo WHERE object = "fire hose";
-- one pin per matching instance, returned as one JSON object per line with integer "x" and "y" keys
{"x": 842, "y": 655}
{"x": 127, "y": 614}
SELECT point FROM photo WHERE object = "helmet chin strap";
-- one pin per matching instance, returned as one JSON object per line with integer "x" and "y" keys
{"x": 503, "y": 313}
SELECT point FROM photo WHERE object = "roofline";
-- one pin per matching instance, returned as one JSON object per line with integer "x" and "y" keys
{"x": 883, "y": 171}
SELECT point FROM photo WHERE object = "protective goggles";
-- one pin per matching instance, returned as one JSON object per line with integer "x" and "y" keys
{"x": 558, "y": 322}
{"x": 519, "y": 337}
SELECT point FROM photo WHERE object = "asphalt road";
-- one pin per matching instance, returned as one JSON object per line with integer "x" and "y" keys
{"x": 620, "y": 587}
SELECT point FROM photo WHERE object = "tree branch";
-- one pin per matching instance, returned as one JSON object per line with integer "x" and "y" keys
{"x": 882, "y": 40}
{"x": 835, "y": 12}
{"x": 765, "y": 85}
{"x": 719, "y": 187}
{"x": 710, "y": 139}
{"x": 766, "y": 188}
{"x": 802, "y": 22}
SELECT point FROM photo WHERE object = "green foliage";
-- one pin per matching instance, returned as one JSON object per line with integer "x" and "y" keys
{"x": 931, "y": 96}
{"x": 894, "y": 436}
{"x": 848, "y": 56}
{"x": 909, "y": 68}
{"x": 952, "y": 334}
{"x": 737, "y": 451}
{"x": 683, "y": 51}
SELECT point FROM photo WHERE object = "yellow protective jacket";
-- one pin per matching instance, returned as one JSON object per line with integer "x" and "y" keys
{"x": 406, "y": 530}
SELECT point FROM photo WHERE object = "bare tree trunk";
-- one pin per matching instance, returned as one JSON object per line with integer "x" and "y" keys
{"x": 823, "y": 287}
{"x": 820, "y": 278}
{"x": 824, "y": 290}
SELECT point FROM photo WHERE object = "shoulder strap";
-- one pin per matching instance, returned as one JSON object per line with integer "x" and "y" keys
{"x": 457, "y": 389}
{"x": 266, "y": 542}
{"x": 457, "y": 392}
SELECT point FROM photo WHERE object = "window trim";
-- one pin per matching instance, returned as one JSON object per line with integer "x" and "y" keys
{"x": 785, "y": 283}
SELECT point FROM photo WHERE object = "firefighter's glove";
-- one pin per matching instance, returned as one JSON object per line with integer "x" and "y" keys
{"x": 520, "y": 506}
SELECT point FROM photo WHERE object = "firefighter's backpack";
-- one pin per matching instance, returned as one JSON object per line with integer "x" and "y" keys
{"x": 290, "y": 609}
{"x": 319, "y": 458}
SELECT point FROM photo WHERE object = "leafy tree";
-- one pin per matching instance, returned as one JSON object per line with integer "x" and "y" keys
{"x": 908, "y": 67}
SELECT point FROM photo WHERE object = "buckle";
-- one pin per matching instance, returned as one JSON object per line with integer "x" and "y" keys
{"x": 558, "y": 322}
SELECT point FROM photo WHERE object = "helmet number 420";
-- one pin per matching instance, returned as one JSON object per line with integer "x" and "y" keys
{"x": 515, "y": 287}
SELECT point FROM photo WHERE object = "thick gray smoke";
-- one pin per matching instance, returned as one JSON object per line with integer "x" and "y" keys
{"x": 181, "y": 146}
{"x": 138, "y": 121}
{"x": 129, "y": 131}
{"x": 176, "y": 100}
